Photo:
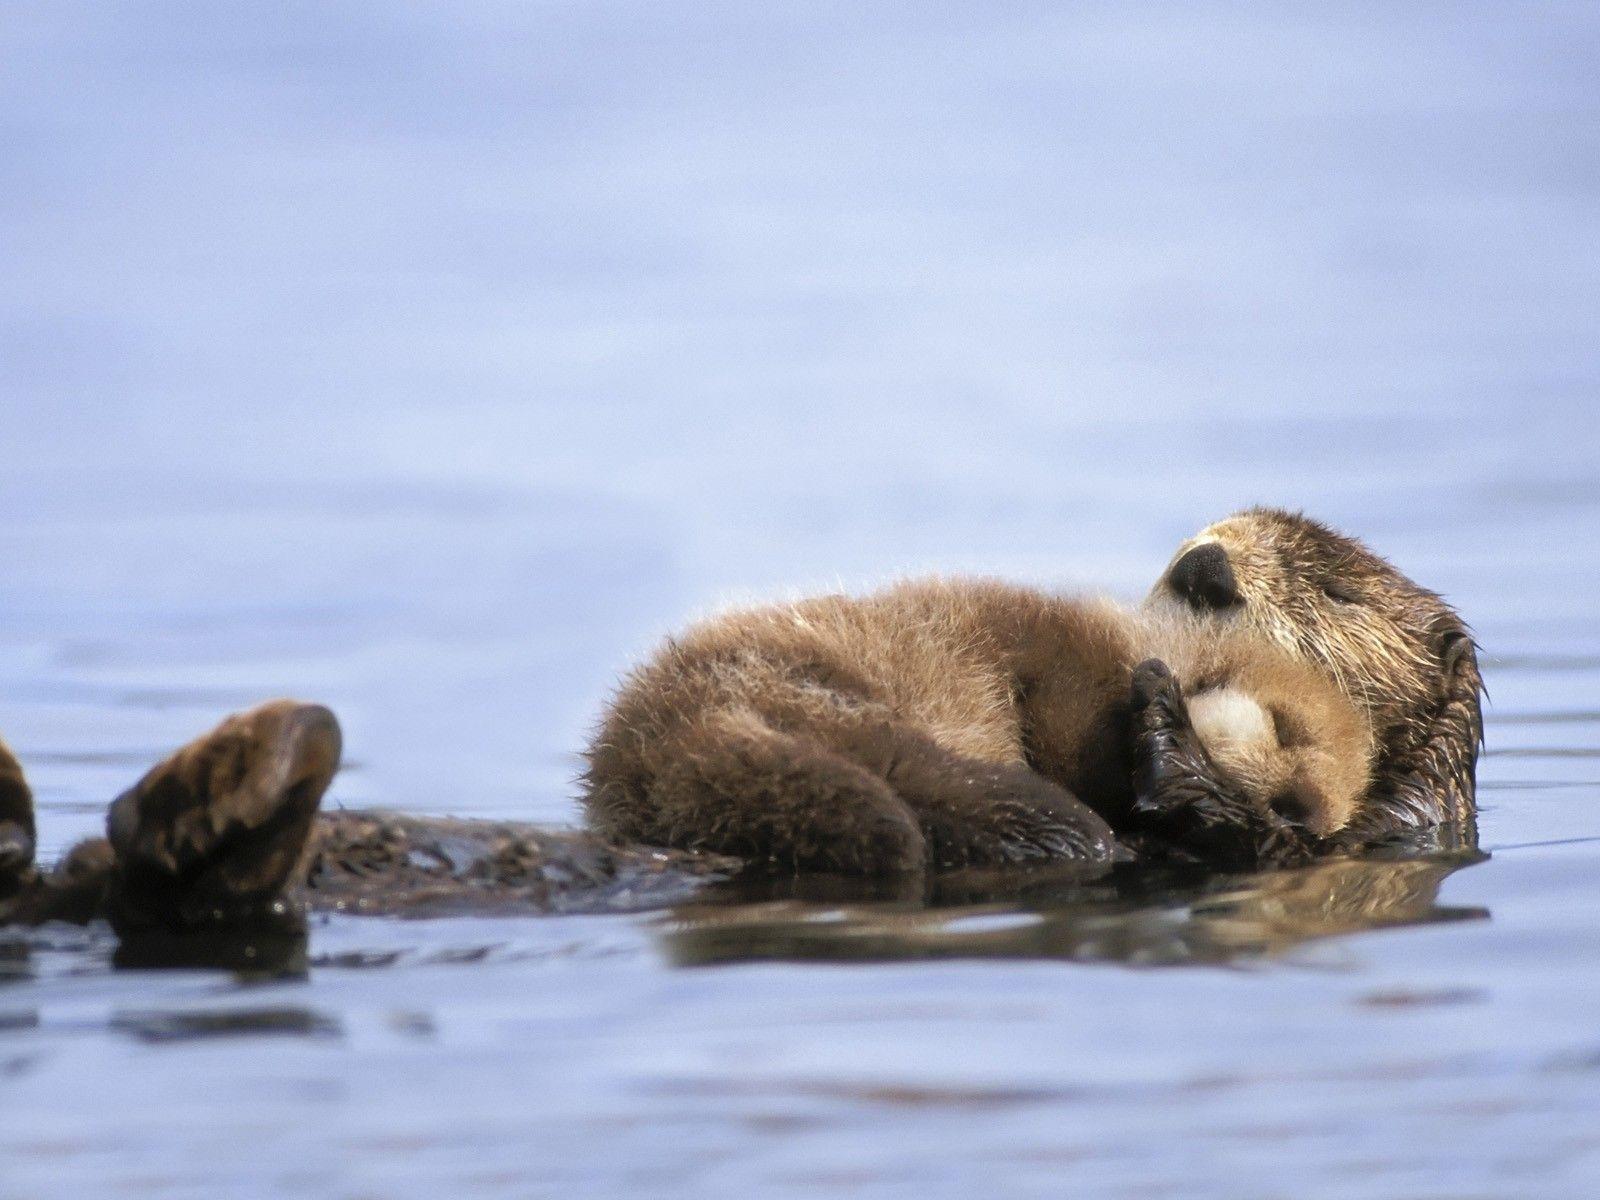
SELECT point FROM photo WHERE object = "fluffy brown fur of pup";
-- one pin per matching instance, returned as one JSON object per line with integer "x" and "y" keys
{"x": 943, "y": 722}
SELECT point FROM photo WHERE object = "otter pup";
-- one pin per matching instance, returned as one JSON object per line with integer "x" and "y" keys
{"x": 952, "y": 723}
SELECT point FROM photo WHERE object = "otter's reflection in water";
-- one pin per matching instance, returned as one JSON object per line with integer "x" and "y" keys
{"x": 1132, "y": 914}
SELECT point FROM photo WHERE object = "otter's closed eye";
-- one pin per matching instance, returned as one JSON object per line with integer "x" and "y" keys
{"x": 1337, "y": 589}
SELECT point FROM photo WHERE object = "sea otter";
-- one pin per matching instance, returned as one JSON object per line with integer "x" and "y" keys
{"x": 219, "y": 833}
{"x": 964, "y": 722}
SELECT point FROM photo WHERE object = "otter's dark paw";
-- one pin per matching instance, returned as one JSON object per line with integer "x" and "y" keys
{"x": 1161, "y": 728}
{"x": 976, "y": 812}
{"x": 210, "y": 836}
{"x": 1179, "y": 797}
{"x": 871, "y": 835}
{"x": 1156, "y": 695}
{"x": 1171, "y": 766}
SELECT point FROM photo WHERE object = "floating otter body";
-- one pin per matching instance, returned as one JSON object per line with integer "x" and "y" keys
{"x": 971, "y": 753}
{"x": 1299, "y": 696}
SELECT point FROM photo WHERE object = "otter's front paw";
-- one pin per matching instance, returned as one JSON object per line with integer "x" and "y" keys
{"x": 1169, "y": 760}
{"x": 1156, "y": 695}
{"x": 1181, "y": 799}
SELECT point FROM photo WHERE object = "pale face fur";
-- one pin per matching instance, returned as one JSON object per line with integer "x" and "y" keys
{"x": 1316, "y": 780}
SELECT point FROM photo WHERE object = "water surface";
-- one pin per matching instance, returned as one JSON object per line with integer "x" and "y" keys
{"x": 432, "y": 362}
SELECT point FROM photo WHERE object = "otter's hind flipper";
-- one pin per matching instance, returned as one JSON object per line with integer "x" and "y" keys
{"x": 211, "y": 836}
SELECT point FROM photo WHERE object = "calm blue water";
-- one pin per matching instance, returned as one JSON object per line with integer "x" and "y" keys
{"x": 432, "y": 361}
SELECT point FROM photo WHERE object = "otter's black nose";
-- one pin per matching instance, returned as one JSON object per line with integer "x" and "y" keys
{"x": 1204, "y": 578}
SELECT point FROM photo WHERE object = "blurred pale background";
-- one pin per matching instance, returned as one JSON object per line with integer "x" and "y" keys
{"x": 432, "y": 359}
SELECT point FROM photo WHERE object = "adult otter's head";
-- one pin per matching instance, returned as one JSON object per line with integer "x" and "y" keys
{"x": 1397, "y": 650}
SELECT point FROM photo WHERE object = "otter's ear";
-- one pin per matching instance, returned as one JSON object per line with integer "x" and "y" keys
{"x": 1459, "y": 654}
{"x": 1463, "y": 684}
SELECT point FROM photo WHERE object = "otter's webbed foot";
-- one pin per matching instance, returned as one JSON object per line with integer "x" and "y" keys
{"x": 210, "y": 837}
{"x": 1181, "y": 799}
